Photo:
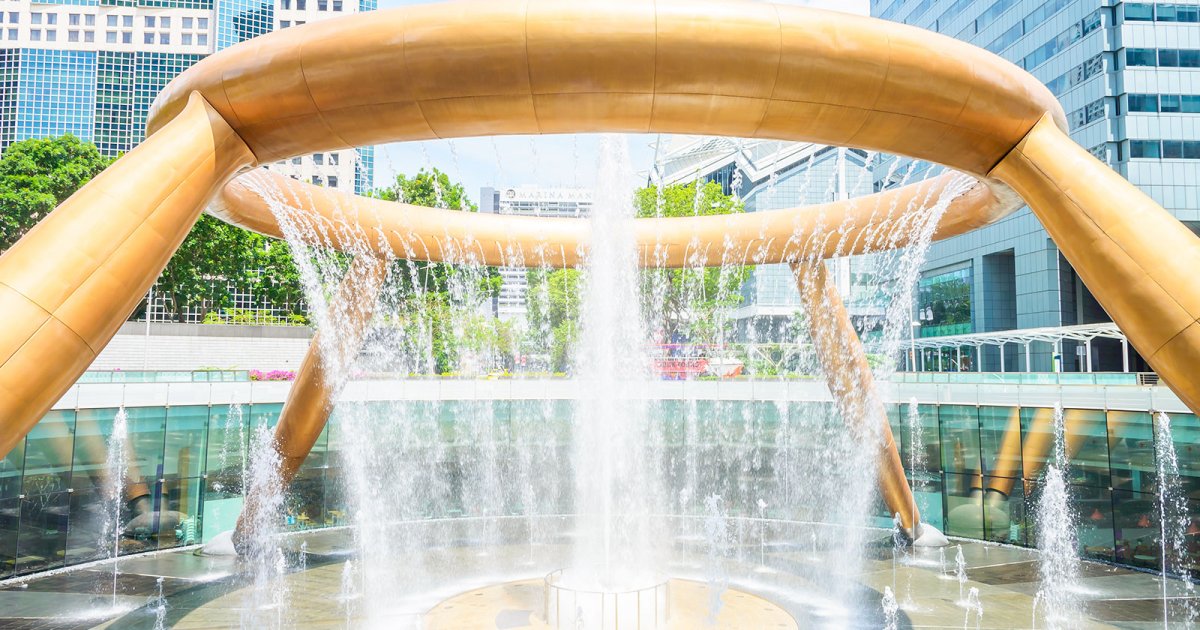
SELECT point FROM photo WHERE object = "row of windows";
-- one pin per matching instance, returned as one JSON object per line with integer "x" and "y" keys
{"x": 1087, "y": 114}
{"x": 1026, "y": 25}
{"x": 302, "y": 5}
{"x": 1162, "y": 57}
{"x": 1165, "y": 103}
{"x": 1077, "y": 75}
{"x": 1074, "y": 33}
{"x": 1165, "y": 149}
{"x": 1148, "y": 12}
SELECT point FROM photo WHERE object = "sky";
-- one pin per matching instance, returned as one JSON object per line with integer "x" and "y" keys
{"x": 550, "y": 161}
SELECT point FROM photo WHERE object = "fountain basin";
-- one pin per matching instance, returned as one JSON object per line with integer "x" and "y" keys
{"x": 570, "y": 600}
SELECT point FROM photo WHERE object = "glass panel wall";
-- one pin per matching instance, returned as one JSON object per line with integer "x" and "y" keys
{"x": 975, "y": 470}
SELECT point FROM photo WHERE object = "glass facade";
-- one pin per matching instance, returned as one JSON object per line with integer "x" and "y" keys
{"x": 944, "y": 303}
{"x": 975, "y": 469}
{"x": 1124, "y": 73}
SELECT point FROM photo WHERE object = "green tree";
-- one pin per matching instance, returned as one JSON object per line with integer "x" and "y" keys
{"x": 688, "y": 301}
{"x": 553, "y": 315}
{"x": 217, "y": 258}
{"x": 447, "y": 295}
{"x": 37, "y": 175}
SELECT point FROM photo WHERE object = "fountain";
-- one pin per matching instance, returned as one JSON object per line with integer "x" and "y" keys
{"x": 1058, "y": 565}
{"x": 1173, "y": 521}
{"x": 115, "y": 466}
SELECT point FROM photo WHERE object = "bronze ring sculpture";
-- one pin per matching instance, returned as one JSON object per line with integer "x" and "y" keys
{"x": 548, "y": 66}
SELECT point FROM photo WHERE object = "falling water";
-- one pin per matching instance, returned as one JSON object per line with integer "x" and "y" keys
{"x": 265, "y": 599}
{"x": 1058, "y": 565}
{"x": 115, "y": 466}
{"x": 615, "y": 486}
{"x": 1173, "y": 520}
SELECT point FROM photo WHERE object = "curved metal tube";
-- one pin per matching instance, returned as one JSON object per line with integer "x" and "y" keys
{"x": 545, "y": 66}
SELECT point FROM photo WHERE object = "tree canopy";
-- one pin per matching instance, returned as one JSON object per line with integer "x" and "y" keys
{"x": 688, "y": 301}
{"x": 38, "y": 174}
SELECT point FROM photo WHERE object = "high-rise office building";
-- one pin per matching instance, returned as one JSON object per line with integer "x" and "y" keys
{"x": 1128, "y": 76}
{"x": 529, "y": 201}
{"x": 92, "y": 68}
{"x": 772, "y": 175}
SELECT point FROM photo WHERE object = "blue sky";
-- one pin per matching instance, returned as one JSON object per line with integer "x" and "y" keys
{"x": 566, "y": 160}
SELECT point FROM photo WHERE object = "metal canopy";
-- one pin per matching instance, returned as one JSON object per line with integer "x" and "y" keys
{"x": 1051, "y": 335}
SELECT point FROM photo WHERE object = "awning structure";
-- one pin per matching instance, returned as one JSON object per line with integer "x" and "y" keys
{"x": 1054, "y": 336}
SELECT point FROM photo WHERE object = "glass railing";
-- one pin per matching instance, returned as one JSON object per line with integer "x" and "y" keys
{"x": 1020, "y": 378}
{"x": 197, "y": 376}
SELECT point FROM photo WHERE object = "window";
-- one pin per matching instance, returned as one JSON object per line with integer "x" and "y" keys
{"x": 337, "y": 5}
{"x": 51, "y": 36}
{"x": 333, "y": 159}
{"x": 35, "y": 18}
{"x": 202, "y": 22}
{"x": 12, "y": 33}
{"x": 301, "y": 5}
{"x": 284, "y": 23}
{"x": 1140, "y": 57}
{"x": 1172, "y": 149}
{"x": 285, "y": 4}
{"x": 127, "y": 21}
{"x": 317, "y": 180}
{"x": 1146, "y": 149}
{"x": 1191, "y": 104}
{"x": 112, "y": 21}
{"x": 149, "y": 21}
{"x": 89, "y": 20}
{"x": 333, "y": 181}
{"x": 35, "y": 35}
{"x": 187, "y": 39}
{"x": 164, "y": 38}
{"x": 1178, "y": 13}
{"x": 322, "y": 5}
{"x": 296, "y": 160}
{"x": 318, "y": 159}
{"x": 14, "y": 17}
{"x": 202, "y": 40}
{"x": 89, "y": 36}
{"x": 1189, "y": 59}
{"x": 73, "y": 36}
{"x": 148, "y": 38}
{"x": 1191, "y": 150}
{"x": 73, "y": 19}
{"x": 1143, "y": 102}
{"x": 1170, "y": 104}
{"x": 52, "y": 18}
{"x": 164, "y": 21}
{"x": 188, "y": 22}
{"x": 126, "y": 37}
{"x": 1139, "y": 12}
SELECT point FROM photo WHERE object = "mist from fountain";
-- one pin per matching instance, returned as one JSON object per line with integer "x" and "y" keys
{"x": 266, "y": 598}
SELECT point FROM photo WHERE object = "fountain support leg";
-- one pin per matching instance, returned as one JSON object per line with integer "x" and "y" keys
{"x": 322, "y": 374}
{"x": 68, "y": 285}
{"x": 851, "y": 382}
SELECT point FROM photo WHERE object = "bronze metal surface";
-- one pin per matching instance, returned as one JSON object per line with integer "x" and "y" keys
{"x": 551, "y": 66}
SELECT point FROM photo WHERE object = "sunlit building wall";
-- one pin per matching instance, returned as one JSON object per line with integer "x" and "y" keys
{"x": 92, "y": 68}
{"x": 1128, "y": 76}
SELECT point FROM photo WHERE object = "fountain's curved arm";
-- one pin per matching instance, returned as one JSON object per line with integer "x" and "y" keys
{"x": 766, "y": 237}
{"x": 69, "y": 284}
{"x": 1137, "y": 260}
